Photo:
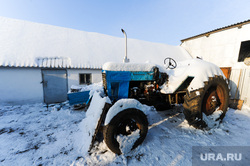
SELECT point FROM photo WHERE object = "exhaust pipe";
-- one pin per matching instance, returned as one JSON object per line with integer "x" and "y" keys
{"x": 125, "y": 60}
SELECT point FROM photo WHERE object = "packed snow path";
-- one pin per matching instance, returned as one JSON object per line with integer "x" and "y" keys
{"x": 35, "y": 135}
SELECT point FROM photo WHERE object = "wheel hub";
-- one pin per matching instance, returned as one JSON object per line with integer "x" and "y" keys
{"x": 212, "y": 100}
{"x": 211, "y": 103}
{"x": 127, "y": 127}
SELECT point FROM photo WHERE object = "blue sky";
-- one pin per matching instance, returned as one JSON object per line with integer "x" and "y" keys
{"x": 162, "y": 21}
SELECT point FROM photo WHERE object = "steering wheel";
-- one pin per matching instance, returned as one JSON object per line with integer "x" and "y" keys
{"x": 170, "y": 62}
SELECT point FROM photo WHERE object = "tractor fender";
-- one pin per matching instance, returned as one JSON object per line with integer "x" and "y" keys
{"x": 124, "y": 104}
{"x": 190, "y": 74}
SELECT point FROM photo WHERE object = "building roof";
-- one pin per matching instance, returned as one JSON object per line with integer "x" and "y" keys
{"x": 237, "y": 25}
{"x": 28, "y": 44}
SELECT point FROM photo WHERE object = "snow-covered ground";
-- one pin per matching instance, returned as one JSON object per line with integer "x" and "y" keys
{"x": 37, "y": 135}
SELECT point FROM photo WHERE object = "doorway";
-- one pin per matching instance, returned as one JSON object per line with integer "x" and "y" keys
{"x": 55, "y": 85}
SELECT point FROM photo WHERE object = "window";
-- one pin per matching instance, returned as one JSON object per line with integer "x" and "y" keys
{"x": 244, "y": 51}
{"x": 84, "y": 79}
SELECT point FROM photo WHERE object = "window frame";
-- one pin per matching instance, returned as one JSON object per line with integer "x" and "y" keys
{"x": 244, "y": 51}
{"x": 85, "y": 79}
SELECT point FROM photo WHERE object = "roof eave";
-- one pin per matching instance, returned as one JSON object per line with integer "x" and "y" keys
{"x": 207, "y": 34}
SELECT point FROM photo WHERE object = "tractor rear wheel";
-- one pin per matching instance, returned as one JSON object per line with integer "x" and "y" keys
{"x": 214, "y": 96}
{"x": 124, "y": 124}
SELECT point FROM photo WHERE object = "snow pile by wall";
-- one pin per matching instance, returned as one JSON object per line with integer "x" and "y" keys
{"x": 28, "y": 44}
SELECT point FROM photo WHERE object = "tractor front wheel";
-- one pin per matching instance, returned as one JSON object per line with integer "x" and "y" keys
{"x": 129, "y": 127}
{"x": 214, "y": 96}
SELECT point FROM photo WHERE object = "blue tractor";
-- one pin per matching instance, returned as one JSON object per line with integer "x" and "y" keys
{"x": 199, "y": 86}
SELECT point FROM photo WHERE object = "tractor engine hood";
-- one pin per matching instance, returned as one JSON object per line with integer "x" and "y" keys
{"x": 199, "y": 69}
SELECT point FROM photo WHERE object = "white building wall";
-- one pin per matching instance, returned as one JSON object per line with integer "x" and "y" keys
{"x": 221, "y": 48}
{"x": 73, "y": 75}
{"x": 20, "y": 85}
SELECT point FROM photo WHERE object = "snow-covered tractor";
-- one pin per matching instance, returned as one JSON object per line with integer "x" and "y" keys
{"x": 199, "y": 86}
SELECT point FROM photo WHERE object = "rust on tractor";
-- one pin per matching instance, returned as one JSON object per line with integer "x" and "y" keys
{"x": 139, "y": 126}
{"x": 213, "y": 99}
{"x": 211, "y": 103}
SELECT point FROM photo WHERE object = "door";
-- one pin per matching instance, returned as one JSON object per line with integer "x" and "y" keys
{"x": 54, "y": 86}
{"x": 226, "y": 71}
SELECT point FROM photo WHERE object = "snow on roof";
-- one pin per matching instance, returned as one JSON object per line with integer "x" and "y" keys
{"x": 238, "y": 25}
{"x": 28, "y": 44}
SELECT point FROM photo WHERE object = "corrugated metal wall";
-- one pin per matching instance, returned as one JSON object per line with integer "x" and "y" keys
{"x": 240, "y": 78}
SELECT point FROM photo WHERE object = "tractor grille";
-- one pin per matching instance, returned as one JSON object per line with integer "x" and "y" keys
{"x": 104, "y": 81}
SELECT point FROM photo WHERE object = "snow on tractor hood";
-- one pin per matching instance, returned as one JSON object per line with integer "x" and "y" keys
{"x": 114, "y": 66}
{"x": 199, "y": 69}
